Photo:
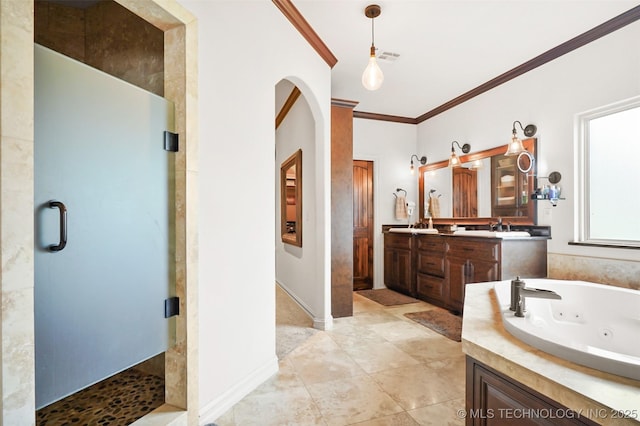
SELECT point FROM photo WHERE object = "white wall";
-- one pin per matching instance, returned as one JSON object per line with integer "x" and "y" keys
{"x": 296, "y": 266}
{"x": 390, "y": 147}
{"x": 245, "y": 49}
{"x": 602, "y": 72}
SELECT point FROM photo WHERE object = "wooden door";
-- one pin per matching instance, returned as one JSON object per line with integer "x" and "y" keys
{"x": 465, "y": 199}
{"x": 362, "y": 224}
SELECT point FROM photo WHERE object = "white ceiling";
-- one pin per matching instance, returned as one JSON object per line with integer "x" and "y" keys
{"x": 446, "y": 47}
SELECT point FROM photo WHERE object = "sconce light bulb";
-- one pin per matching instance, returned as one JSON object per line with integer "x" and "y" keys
{"x": 372, "y": 76}
{"x": 515, "y": 147}
{"x": 454, "y": 161}
{"x": 412, "y": 169}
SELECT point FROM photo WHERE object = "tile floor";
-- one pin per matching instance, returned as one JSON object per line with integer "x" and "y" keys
{"x": 373, "y": 369}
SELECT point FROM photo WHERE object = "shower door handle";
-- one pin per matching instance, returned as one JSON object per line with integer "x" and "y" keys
{"x": 63, "y": 225}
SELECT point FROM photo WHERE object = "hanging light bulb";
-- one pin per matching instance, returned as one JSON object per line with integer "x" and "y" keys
{"x": 372, "y": 76}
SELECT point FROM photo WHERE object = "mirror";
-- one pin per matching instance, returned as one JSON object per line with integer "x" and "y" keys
{"x": 291, "y": 199}
{"x": 487, "y": 185}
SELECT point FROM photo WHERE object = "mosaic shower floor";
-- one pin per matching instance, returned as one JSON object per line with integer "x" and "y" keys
{"x": 118, "y": 400}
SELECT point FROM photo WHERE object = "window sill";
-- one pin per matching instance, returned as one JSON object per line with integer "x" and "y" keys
{"x": 592, "y": 244}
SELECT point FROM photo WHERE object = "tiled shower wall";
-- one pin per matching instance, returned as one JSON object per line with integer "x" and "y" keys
{"x": 105, "y": 36}
{"x": 16, "y": 208}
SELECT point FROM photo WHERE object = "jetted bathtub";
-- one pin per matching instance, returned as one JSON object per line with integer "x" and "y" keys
{"x": 593, "y": 324}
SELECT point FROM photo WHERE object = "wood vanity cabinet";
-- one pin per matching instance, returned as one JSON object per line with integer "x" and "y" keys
{"x": 436, "y": 268}
{"x": 470, "y": 261}
{"x": 398, "y": 263}
{"x": 431, "y": 284}
{"x": 495, "y": 399}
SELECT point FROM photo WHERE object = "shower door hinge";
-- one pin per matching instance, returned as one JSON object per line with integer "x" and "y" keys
{"x": 171, "y": 307}
{"x": 170, "y": 141}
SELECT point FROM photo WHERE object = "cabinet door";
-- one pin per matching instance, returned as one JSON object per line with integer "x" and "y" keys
{"x": 499, "y": 400}
{"x": 510, "y": 189}
{"x": 398, "y": 271}
{"x": 389, "y": 278}
{"x": 457, "y": 272}
{"x": 404, "y": 271}
{"x": 462, "y": 271}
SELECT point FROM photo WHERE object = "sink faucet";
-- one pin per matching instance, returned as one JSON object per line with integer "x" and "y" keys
{"x": 497, "y": 226}
{"x": 519, "y": 293}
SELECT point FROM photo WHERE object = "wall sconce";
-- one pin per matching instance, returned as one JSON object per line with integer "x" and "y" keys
{"x": 372, "y": 76}
{"x": 422, "y": 160}
{"x": 454, "y": 161}
{"x": 515, "y": 146}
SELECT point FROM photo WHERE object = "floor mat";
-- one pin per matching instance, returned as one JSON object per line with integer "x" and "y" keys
{"x": 441, "y": 321}
{"x": 387, "y": 297}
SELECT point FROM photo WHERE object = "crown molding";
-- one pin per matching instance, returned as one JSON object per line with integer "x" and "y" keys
{"x": 614, "y": 24}
{"x": 295, "y": 17}
{"x": 583, "y": 39}
{"x": 344, "y": 103}
{"x": 384, "y": 117}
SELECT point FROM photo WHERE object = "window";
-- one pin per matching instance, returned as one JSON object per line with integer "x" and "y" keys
{"x": 609, "y": 175}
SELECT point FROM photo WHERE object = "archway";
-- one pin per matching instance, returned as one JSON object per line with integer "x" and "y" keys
{"x": 300, "y": 270}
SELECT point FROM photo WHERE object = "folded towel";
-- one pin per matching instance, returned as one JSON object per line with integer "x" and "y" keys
{"x": 401, "y": 207}
{"x": 434, "y": 206}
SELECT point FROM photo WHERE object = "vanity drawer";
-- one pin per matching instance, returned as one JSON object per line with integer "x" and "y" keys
{"x": 474, "y": 249}
{"x": 431, "y": 263}
{"x": 431, "y": 243}
{"x": 430, "y": 287}
{"x": 402, "y": 241}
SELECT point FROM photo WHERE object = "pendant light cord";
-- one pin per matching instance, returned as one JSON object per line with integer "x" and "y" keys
{"x": 372, "y": 33}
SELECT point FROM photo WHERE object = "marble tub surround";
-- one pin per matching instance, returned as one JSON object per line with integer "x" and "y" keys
{"x": 579, "y": 388}
{"x": 616, "y": 272}
{"x": 375, "y": 368}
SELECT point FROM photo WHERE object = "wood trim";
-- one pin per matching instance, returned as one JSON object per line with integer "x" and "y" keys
{"x": 585, "y": 38}
{"x": 295, "y": 17}
{"x": 614, "y": 24}
{"x": 384, "y": 117}
{"x": 343, "y": 103}
{"x": 288, "y": 104}
{"x": 295, "y": 160}
{"x": 530, "y": 144}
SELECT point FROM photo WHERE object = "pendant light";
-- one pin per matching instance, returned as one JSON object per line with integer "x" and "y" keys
{"x": 372, "y": 76}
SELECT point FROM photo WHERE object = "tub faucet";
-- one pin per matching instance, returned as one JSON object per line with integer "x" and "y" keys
{"x": 520, "y": 293}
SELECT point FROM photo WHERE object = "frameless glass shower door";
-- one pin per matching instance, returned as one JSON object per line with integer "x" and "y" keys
{"x": 104, "y": 225}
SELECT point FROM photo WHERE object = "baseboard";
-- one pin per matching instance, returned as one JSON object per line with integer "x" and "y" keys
{"x": 323, "y": 323}
{"x": 216, "y": 408}
{"x": 318, "y": 323}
